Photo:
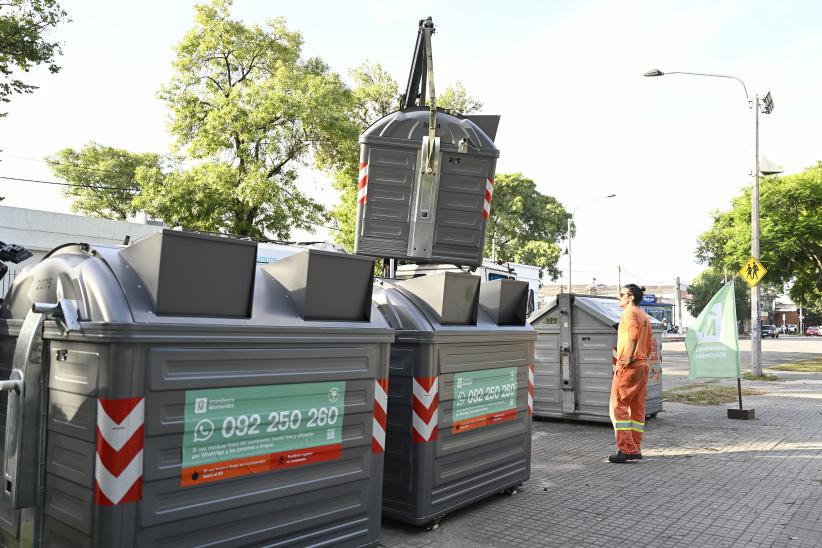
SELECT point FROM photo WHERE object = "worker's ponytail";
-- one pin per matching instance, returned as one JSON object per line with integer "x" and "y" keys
{"x": 636, "y": 292}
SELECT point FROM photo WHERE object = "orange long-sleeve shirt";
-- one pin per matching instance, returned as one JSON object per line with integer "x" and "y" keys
{"x": 634, "y": 324}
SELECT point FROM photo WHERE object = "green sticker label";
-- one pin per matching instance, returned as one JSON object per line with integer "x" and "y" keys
{"x": 232, "y": 432}
{"x": 484, "y": 397}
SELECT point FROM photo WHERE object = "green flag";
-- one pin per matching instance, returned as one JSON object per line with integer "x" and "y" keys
{"x": 712, "y": 342}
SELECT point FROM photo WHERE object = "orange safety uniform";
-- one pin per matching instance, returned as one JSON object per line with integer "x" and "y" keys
{"x": 627, "y": 406}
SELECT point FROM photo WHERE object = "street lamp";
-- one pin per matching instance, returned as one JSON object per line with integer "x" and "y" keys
{"x": 570, "y": 219}
{"x": 766, "y": 106}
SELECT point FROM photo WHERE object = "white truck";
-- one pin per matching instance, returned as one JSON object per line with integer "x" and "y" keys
{"x": 489, "y": 271}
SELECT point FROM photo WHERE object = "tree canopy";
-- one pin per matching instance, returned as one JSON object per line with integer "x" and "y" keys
{"x": 105, "y": 180}
{"x": 24, "y": 25}
{"x": 524, "y": 225}
{"x": 248, "y": 112}
{"x": 790, "y": 209}
{"x": 705, "y": 286}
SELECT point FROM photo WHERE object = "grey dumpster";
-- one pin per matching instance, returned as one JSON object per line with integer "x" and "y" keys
{"x": 459, "y": 426}
{"x": 574, "y": 358}
{"x": 405, "y": 212}
{"x": 191, "y": 398}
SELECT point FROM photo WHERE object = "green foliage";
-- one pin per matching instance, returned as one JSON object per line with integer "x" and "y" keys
{"x": 105, "y": 179}
{"x": 248, "y": 112}
{"x": 457, "y": 99}
{"x": 705, "y": 286}
{"x": 525, "y": 225}
{"x": 24, "y": 25}
{"x": 790, "y": 234}
{"x": 375, "y": 93}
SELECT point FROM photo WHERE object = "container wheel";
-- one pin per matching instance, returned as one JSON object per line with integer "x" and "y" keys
{"x": 511, "y": 491}
{"x": 432, "y": 525}
{"x": 652, "y": 415}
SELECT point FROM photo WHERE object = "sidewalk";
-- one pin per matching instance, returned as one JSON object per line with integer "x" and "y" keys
{"x": 705, "y": 480}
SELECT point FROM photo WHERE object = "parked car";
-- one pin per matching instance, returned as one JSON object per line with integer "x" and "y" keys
{"x": 770, "y": 331}
{"x": 812, "y": 330}
{"x": 792, "y": 328}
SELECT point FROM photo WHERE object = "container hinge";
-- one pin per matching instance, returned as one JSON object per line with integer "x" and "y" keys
{"x": 65, "y": 311}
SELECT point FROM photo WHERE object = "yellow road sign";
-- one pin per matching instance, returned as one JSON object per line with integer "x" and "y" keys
{"x": 752, "y": 272}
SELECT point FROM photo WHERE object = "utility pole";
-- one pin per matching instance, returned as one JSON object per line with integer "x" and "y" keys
{"x": 756, "y": 339}
{"x": 679, "y": 302}
{"x": 619, "y": 277}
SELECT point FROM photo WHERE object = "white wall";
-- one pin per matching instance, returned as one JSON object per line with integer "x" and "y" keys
{"x": 41, "y": 231}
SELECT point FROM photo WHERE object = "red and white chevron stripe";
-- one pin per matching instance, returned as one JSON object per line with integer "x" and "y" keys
{"x": 362, "y": 188}
{"x": 380, "y": 415}
{"x": 531, "y": 371}
{"x": 424, "y": 401}
{"x": 489, "y": 192}
{"x": 118, "y": 470}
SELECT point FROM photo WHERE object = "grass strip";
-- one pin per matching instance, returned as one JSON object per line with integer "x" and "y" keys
{"x": 813, "y": 365}
{"x": 762, "y": 377}
{"x": 702, "y": 394}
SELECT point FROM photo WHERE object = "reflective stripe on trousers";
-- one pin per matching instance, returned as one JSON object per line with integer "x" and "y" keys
{"x": 627, "y": 406}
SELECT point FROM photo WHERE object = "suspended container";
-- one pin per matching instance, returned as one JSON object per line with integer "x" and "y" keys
{"x": 575, "y": 355}
{"x": 173, "y": 393}
{"x": 459, "y": 425}
{"x": 405, "y": 212}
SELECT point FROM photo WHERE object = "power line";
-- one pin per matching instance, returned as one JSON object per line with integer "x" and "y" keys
{"x": 94, "y": 187}
{"x": 53, "y": 163}
{"x": 77, "y": 185}
{"x": 646, "y": 279}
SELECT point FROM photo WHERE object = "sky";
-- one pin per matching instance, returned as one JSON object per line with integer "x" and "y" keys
{"x": 578, "y": 117}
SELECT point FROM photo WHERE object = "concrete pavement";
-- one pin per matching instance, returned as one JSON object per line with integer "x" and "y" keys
{"x": 705, "y": 480}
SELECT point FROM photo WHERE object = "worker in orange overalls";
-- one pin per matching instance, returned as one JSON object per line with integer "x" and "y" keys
{"x": 634, "y": 345}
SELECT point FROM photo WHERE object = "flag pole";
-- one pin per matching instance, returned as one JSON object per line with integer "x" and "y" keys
{"x": 739, "y": 388}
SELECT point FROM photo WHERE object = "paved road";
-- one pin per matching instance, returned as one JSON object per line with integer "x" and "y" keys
{"x": 774, "y": 352}
{"x": 705, "y": 480}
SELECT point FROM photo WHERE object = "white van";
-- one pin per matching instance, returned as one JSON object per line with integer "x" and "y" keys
{"x": 489, "y": 271}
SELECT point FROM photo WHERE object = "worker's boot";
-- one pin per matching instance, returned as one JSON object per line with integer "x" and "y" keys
{"x": 633, "y": 456}
{"x": 618, "y": 458}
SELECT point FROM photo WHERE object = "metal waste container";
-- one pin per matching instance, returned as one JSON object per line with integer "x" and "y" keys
{"x": 459, "y": 425}
{"x": 175, "y": 394}
{"x": 406, "y": 212}
{"x": 575, "y": 353}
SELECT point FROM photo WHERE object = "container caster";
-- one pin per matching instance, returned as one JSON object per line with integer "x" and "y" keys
{"x": 432, "y": 525}
{"x": 511, "y": 491}
{"x": 651, "y": 416}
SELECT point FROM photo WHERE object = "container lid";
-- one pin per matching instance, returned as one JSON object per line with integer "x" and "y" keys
{"x": 112, "y": 286}
{"x": 605, "y": 309}
{"x": 408, "y": 126}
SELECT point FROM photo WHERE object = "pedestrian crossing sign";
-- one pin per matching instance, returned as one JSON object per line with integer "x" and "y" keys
{"x": 752, "y": 272}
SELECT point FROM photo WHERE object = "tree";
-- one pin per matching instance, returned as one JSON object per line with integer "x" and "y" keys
{"x": 524, "y": 225}
{"x": 705, "y": 286}
{"x": 105, "y": 180}
{"x": 248, "y": 112}
{"x": 23, "y": 27}
{"x": 376, "y": 94}
{"x": 790, "y": 233}
{"x": 457, "y": 99}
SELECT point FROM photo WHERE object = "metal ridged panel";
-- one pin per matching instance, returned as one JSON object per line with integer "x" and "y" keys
{"x": 343, "y": 519}
{"x": 70, "y": 458}
{"x": 69, "y": 503}
{"x": 73, "y": 415}
{"x": 58, "y": 535}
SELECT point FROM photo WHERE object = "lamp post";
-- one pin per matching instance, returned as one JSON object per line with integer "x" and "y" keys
{"x": 570, "y": 220}
{"x": 755, "y": 104}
